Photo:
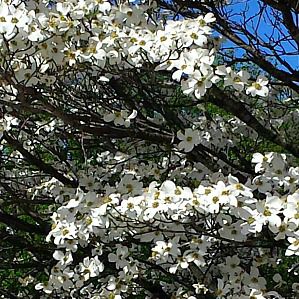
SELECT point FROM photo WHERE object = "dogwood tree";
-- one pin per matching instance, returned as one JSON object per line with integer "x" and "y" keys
{"x": 149, "y": 149}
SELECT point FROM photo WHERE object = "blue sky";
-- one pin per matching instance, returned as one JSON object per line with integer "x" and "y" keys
{"x": 250, "y": 9}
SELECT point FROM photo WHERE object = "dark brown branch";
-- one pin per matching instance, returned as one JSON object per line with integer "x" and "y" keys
{"x": 226, "y": 102}
{"x": 23, "y": 243}
{"x": 285, "y": 9}
{"x": 19, "y": 224}
{"x": 224, "y": 27}
{"x": 38, "y": 162}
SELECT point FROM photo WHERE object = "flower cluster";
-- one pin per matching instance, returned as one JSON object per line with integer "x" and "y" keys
{"x": 152, "y": 215}
{"x": 183, "y": 229}
{"x": 47, "y": 40}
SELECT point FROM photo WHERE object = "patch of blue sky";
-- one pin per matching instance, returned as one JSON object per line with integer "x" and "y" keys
{"x": 267, "y": 28}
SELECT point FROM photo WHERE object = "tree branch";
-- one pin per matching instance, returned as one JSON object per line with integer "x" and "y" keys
{"x": 39, "y": 163}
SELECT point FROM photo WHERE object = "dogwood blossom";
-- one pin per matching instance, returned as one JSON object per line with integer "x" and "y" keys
{"x": 188, "y": 140}
{"x": 181, "y": 212}
{"x": 259, "y": 87}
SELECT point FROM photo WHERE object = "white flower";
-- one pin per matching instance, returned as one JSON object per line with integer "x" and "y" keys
{"x": 259, "y": 87}
{"x": 181, "y": 262}
{"x": 189, "y": 139}
{"x": 295, "y": 287}
{"x": 25, "y": 281}
{"x": 221, "y": 289}
{"x": 90, "y": 267}
{"x": 203, "y": 22}
{"x": 293, "y": 247}
{"x": 6, "y": 27}
{"x": 232, "y": 232}
{"x": 184, "y": 65}
{"x": 120, "y": 118}
{"x": 269, "y": 209}
{"x": 232, "y": 265}
{"x": 200, "y": 288}
{"x": 238, "y": 80}
{"x": 63, "y": 258}
{"x": 196, "y": 257}
{"x": 129, "y": 185}
{"x": 254, "y": 280}
{"x": 163, "y": 250}
{"x": 103, "y": 6}
{"x": 261, "y": 184}
{"x": 254, "y": 293}
{"x": 119, "y": 258}
{"x": 194, "y": 36}
{"x": 285, "y": 228}
{"x": 261, "y": 161}
{"x": 199, "y": 82}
